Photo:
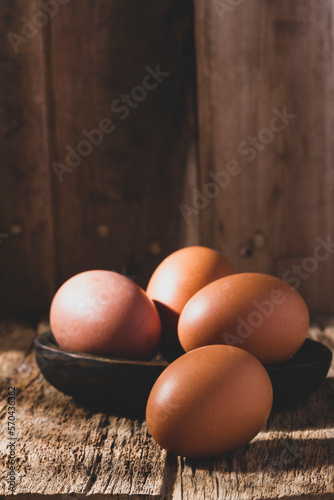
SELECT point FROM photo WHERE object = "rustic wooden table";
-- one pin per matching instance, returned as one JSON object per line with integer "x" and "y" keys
{"x": 64, "y": 451}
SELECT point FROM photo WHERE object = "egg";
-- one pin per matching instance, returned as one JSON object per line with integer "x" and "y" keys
{"x": 209, "y": 402}
{"x": 103, "y": 312}
{"x": 256, "y": 312}
{"x": 177, "y": 279}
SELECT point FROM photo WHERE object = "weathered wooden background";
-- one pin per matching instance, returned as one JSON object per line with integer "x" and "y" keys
{"x": 253, "y": 59}
{"x": 230, "y": 64}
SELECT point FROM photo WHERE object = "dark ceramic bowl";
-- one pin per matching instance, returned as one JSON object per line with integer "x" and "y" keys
{"x": 122, "y": 386}
{"x": 296, "y": 378}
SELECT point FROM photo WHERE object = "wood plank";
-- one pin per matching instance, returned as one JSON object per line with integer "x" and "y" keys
{"x": 64, "y": 449}
{"x": 252, "y": 59}
{"x": 291, "y": 458}
{"x": 26, "y": 268}
{"x": 15, "y": 343}
{"x": 118, "y": 209}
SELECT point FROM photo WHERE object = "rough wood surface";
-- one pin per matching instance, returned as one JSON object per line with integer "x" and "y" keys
{"x": 123, "y": 197}
{"x": 26, "y": 233}
{"x": 252, "y": 58}
{"x": 65, "y": 451}
{"x": 118, "y": 208}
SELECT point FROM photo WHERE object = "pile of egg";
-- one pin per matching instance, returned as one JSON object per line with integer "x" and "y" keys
{"x": 218, "y": 327}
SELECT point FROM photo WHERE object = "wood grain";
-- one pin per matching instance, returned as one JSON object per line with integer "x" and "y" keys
{"x": 118, "y": 209}
{"x": 65, "y": 451}
{"x": 26, "y": 240}
{"x": 254, "y": 58}
{"x": 279, "y": 462}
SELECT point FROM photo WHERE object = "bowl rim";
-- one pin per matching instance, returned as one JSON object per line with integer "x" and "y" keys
{"x": 292, "y": 363}
{"x": 46, "y": 342}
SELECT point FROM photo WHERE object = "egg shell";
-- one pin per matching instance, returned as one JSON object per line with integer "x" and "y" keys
{"x": 209, "y": 401}
{"x": 176, "y": 280}
{"x": 103, "y": 312}
{"x": 256, "y": 312}
{"x": 182, "y": 274}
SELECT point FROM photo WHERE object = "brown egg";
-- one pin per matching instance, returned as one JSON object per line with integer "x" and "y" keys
{"x": 103, "y": 312}
{"x": 209, "y": 401}
{"x": 256, "y": 312}
{"x": 178, "y": 278}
